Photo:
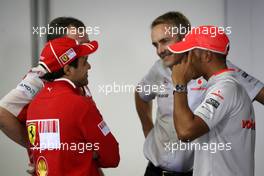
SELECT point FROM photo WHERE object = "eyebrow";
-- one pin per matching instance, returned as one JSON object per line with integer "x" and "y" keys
{"x": 161, "y": 40}
{"x": 164, "y": 39}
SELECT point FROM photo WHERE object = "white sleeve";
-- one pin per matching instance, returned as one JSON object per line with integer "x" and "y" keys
{"x": 19, "y": 97}
{"x": 251, "y": 84}
{"x": 144, "y": 87}
{"x": 216, "y": 104}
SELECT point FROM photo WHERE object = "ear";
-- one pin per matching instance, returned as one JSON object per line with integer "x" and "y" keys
{"x": 67, "y": 70}
{"x": 207, "y": 56}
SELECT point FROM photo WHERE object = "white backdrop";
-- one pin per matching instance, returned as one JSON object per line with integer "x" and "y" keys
{"x": 124, "y": 56}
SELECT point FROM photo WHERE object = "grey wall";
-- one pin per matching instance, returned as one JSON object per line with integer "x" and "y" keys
{"x": 124, "y": 56}
{"x": 246, "y": 19}
{"x": 15, "y": 60}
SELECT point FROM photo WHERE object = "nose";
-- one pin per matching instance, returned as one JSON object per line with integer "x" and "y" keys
{"x": 160, "y": 49}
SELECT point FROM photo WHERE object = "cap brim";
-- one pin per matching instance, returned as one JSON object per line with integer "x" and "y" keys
{"x": 87, "y": 48}
{"x": 181, "y": 47}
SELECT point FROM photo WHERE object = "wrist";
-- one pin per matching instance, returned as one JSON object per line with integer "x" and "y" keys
{"x": 180, "y": 82}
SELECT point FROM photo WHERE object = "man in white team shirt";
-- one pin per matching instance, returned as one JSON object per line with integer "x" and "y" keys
{"x": 161, "y": 136}
{"x": 225, "y": 106}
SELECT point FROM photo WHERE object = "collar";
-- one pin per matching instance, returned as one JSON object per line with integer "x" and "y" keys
{"x": 219, "y": 73}
{"x": 67, "y": 80}
{"x": 223, "y": 71}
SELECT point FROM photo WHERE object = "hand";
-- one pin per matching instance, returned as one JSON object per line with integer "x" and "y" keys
{"x": 183, "y": 72}
{"x": 31, "y": 169}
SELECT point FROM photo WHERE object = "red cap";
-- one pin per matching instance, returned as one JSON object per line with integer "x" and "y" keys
{"x": 61, "y": 51}
{"x": 203, "y": 37}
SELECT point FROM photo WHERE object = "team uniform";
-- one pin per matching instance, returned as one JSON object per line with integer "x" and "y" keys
{"x": 58, "y": 119}
{"x": 163, "y": 133}
{"x": 228, "y": 112}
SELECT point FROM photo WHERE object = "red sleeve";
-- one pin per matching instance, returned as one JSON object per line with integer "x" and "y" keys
{"x": 95, "y": 131}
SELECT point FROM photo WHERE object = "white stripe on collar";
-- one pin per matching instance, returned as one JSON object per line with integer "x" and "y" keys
{"x": 67, "y": 80}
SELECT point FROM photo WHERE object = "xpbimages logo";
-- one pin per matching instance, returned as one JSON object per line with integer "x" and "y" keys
{"x": 183, "y": 146}
{"x": 182, "y": 30}
{"x": 50, "y": 30}
{"x": 130, "y": 88}
{"x": 64, "y": 146}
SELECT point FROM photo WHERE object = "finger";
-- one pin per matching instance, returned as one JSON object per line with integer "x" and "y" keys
{"x": 31, "y": 169}
{"x": 175, "y": 66}
{"x": 183, "y": 58}
{"x": 189, "y": 58}
{"x": 30, "y": 172}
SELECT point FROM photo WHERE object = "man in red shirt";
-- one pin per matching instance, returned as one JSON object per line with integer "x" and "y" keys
{"x": 66, "y": 131}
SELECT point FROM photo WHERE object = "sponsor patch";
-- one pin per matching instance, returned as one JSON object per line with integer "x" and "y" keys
{"x": 212, "y": 102}
{"x": 207, "y": 109}
{"x": 27, "y": 88}
{"x": 64, "y": 58}
{"x": 244, "y": 75}
{"x": 44, "y": 134}
{"x": 248, "y": 124}
{"x": 42, "y": 166}
{"x": 32, "y": 133}
{"x": 67, "y": 56}
{"x": 163, "y": 95}
{"x": 104, "y": 128}
{"x": 200, "y": 85}
{"x": 218, "y": 94}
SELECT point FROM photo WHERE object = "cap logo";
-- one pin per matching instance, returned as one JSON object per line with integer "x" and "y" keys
{"x": 67, "y": 56}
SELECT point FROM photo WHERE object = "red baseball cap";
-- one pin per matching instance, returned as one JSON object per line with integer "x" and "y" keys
{"x": 203, "y": 37}
{"x": 61, "y": 51}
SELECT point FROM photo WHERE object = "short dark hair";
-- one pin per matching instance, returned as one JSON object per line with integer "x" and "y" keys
{"x": 176, "y": 19}
{"x": 60, "y": 23}
{"x": 220, "y": 56}
{"x": 51, "y": 76}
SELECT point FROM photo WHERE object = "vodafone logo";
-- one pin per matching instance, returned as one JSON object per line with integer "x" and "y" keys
{"x": 201, "y": 84}
{"x": 248, "y": 124}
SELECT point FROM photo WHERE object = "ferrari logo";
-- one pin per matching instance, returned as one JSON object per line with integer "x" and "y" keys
{"x": 42, "y": 167}
{"x": 64, "y": 58}
{"x": 32, "y": 133}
